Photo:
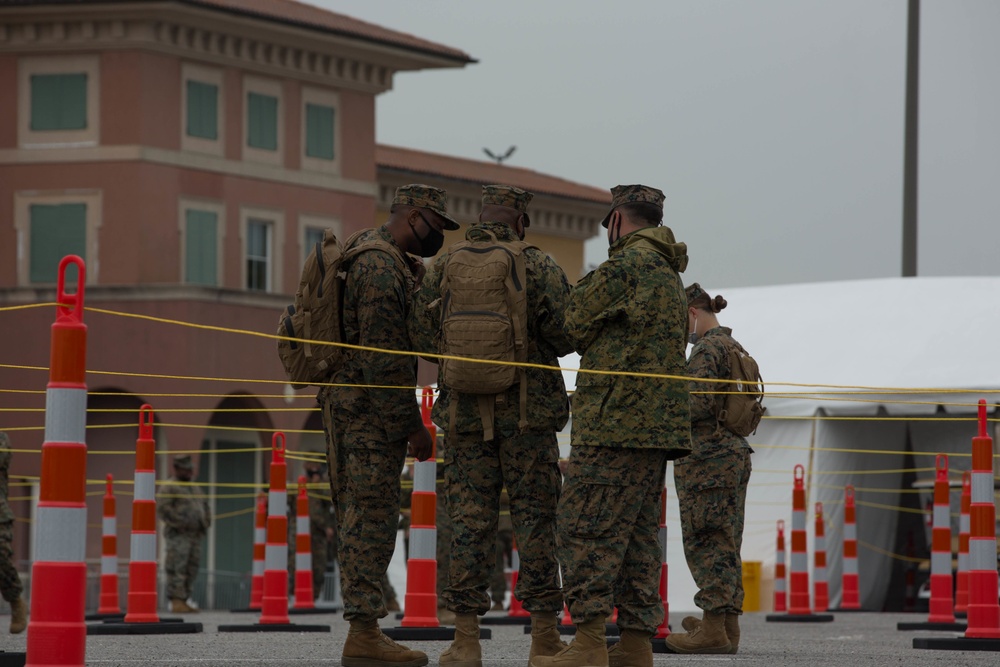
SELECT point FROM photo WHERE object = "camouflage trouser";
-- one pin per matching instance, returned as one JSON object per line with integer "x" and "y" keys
{"x": 365, "y": 479}
{"x": 475, "y": 475}
{"x": 442, "y": 520}
{"x": 609, "y": 520}
{"x": 10, "y": 582}
{"x": 183, "y": 559}
{"x": 498, "y": 583}
{"x": 712, "y": 496}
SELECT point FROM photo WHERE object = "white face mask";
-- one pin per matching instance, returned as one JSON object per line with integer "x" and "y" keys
{"x": 693, "y": 336}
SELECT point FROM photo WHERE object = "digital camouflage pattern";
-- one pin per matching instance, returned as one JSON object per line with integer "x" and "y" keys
{"x": 475, "y": 472}
{"x": 710, "y": 360}
{"x": 712, "y": 482}
{"x": 630, "y": 314}
{"x": 368, "y": 426}
{"x": 631, "y": 194}
{"x": 609, "y": 535}
{"x": 712, "y": 494}
{"x": 548, "y": 408}
{"x": 10, "y": 582}
{"x": 186, "y": 519}
{"x": 507, "y": 195}
{"x": 425, "y": 196}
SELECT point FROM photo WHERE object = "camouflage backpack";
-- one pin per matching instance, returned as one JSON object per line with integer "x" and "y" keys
{"x": 742, "y": 409}
{"x": 484, "y": 315}
{"x": 315, "y": 313}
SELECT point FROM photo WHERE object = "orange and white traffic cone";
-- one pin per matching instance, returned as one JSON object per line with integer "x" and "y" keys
{"x": 142, "y": 617}
{"x": 780, "y": 578}
{"x": 798, "y": 603}
{"x": 57, "y": 634}
{"x": 850, "y": 595}
{"x": 962, "y": 577}
{"x": 517, "y": 614}
{"x": 257, "y": 568}
{"x": 274, "y": 601}
{"x": 303, "y": 551}
{"x": 108, "y": 601}
{"x": 983, "y": 631}
{"x": 821, "y": 589}
{"x": 662, "y": 632}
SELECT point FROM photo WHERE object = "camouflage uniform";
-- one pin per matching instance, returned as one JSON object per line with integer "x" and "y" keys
{"x": 186, "y": 518}
{"x": 712, "y": 484}
{"x": 524, "y": 462}
{"x": 630, "y": 314}
{"x": 10, "y": 582}
{"x": 369, "y": 426}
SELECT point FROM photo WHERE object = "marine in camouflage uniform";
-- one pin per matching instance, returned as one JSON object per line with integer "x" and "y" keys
{"x": 373, "y": 412}
{"x": 628, "y": 315}
{"x": 526, "y": 462}
{"x": 186, "y": 519}
{"x": 10, "y": 581}
{"x": 712, "y": 481}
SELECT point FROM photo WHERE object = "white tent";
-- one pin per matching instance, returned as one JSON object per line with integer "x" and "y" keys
{"x": 841, "y": 339}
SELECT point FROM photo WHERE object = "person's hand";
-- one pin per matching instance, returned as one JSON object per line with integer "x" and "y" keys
{"x": 421, "y": 446}
{"x": 417, "y": 268}
{"x": 329, "y": 533}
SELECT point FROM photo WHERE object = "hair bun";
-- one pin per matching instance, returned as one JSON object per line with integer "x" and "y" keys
{"x": 718, "y": 303}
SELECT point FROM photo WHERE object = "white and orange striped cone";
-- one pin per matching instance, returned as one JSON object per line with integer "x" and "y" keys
{"x": 57, "y": 634}
{"x": 108, "y": 606}
{"x": 517, "y": 614}
{"x": 662, "y": 632}
{"x": 142, "y": 617}
{"x": 962, "y": 576}
{"x": 257, "y": 568}
{"x": 983, "y": 631}
{"x": 780, "y": 577}
{"x": 942, "y": 614}
{"x": 304, "y": 602}
{"x": 821, "y": 589}
{"x": 274, "y": 602}
{"x": 850, "y": 595}
{"x": 420, "y": 620}
{"x": 798, "y": 602}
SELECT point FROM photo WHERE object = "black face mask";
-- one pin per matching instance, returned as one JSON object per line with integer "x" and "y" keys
{"x": 430, "y": 242}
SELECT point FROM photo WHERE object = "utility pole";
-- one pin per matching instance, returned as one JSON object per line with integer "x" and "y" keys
{"x": 911, "y": 136}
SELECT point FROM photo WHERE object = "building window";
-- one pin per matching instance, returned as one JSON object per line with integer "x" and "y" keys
{"x": 201, "y": 247}
{"x": 319, "y": 131}
{"x": 58, "y": 102}
{"x": 56, "y": 230}
{"x": 312, "y": 228}
{"x": 202, "y": 110}
{"x": 262, "y": 121}
{"x": 320, "y": 138}
{"x": 313, "y": 235}
{"x": 259, "y": 254}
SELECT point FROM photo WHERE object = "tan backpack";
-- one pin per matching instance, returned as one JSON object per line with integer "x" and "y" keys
{"x": 484, "y": 315}
{"x": 742, "y": 409}
{"x": 315, "y": 315}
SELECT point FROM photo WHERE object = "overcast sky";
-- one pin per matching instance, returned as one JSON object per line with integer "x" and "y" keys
{"x": 774, "y": 127}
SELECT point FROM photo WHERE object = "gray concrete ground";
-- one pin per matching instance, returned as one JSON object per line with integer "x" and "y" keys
{"x": 851, "y": 639}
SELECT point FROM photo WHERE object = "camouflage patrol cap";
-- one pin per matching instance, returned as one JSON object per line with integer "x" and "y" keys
{"x": 183, "y": 462}
{"x": 693, "y": 291}
{"x": 507, "y": 195}
{"x": 630, "y": 194}
{"x": 425, "y": 196}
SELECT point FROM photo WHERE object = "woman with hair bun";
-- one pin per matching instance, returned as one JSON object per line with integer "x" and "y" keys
{"x": 711, "y": 488}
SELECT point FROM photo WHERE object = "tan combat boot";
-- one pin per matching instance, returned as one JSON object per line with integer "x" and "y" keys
{"x": 732, "y": 628}
{"x": 708, "y": 637}
{"x": 589, "y": 648}
{"x": 633, "y": 650}
{"x": 465, "y": 651}
{"x": 366, "y": 646}
{"x": 18, "y": 616}
{"x": 545, "y": 639}
{"x": 178, "y": 606}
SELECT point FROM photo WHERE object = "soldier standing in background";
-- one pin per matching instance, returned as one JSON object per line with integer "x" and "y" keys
{"x": 521, "y": 451}
{"x": 628, "y": 315}
{"x": 373, "y": 415}
{"x": 186, "y": 518}
{"x": 10, "y": 582}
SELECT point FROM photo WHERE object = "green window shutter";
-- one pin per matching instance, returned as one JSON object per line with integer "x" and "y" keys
{"x": 58, "y": 102}
{"x": 262, "y": 121}
{"x": 57, "y": 230}
{"x": 319, "y": 131}
{"x": 201, "y": 246}
{"x": 202, "y": 110}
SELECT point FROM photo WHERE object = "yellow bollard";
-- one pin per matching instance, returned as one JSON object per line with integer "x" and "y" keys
{"x": 751, "y": 585}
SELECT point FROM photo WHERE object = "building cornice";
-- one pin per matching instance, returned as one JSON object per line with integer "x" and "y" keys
{"x": 270, "y": 302}
{"x": 194, "y": 33}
